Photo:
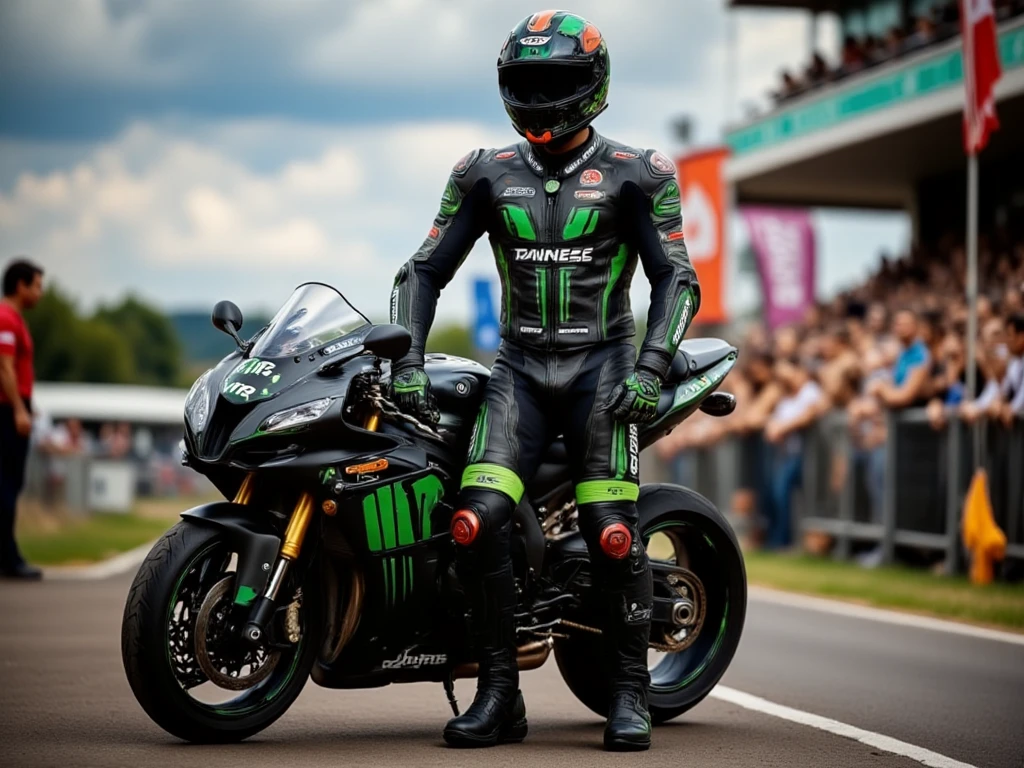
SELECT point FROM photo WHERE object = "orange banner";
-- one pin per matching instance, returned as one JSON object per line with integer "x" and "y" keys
{"x": 704, "y": 221}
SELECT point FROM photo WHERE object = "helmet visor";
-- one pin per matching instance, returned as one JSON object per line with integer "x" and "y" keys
{"x": 540, "y": 84}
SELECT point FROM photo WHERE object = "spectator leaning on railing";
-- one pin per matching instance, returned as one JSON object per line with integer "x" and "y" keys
{"x": 802, "y": 403}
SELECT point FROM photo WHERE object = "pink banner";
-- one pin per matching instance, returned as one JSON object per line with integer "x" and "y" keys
{"x": 783, "y": 240}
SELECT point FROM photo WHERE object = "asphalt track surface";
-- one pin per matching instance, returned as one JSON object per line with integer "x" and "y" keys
{"x": 64, "y": 700}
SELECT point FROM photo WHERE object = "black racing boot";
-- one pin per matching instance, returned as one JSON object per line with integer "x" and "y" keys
{"x": 626, "y": 633}
{"x": 497, "y": 714}
{"x": 629, "y": 723}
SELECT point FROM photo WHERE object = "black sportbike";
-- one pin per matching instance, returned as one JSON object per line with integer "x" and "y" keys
{"x": 332, "y": 558}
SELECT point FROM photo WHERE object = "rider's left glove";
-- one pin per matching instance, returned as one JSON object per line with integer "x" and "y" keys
{"x": 635, "y": 401}
{"x": 410, "y": 390}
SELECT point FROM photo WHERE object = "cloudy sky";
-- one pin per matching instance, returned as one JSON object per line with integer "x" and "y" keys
{"x": 190, "y": 151}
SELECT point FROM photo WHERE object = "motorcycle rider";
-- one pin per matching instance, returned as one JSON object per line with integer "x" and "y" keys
{"x": 568, "y": 212}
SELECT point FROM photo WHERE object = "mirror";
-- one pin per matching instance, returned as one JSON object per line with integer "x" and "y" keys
{"x": 388, "y": 341}
{"x": 226, "y": 314}
{"x": 227, "y": 317}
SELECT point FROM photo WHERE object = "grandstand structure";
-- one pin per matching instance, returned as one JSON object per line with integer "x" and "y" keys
{"x": 888, "y": 135}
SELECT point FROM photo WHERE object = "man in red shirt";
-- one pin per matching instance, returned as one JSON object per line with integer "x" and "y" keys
{"x": 23, "y": 287}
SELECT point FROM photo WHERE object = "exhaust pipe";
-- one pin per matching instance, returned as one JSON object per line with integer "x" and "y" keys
{"x": 528, "y": 656}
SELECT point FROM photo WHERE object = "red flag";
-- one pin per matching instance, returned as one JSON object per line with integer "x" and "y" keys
{"x": 981, "y": 71}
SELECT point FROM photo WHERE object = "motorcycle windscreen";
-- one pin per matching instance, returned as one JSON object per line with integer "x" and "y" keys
{"x": 314, "y": 317}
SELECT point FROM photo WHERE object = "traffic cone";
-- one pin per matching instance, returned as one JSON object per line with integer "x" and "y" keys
{"x": 982, "y": 536}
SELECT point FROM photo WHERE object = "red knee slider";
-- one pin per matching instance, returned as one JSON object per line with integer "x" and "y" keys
{"x": 465, "y": 526}
{"x": 616, "y": 540}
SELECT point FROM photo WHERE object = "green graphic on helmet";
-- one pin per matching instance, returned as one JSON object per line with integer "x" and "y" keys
{"x": 553, "y": 75}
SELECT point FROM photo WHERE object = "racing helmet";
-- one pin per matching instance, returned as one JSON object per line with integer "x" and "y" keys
{"x": 553, "y": 74}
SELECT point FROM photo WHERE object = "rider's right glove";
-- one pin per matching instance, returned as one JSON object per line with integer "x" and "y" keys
{"x": 410, "y": 390}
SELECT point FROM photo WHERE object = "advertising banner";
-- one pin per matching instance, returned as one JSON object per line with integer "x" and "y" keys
{"x": 704, "y": 219}
{"x": 783, "y": 241}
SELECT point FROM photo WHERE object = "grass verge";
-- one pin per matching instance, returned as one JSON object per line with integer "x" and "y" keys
{"x": 951, "y": 597}
{"x": 53, "y": 537}
{"x": 91, "y": 539}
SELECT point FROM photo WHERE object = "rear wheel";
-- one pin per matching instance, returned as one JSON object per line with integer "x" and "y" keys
{"x": 182, "y": 648}
{"x": 707, "y": 583}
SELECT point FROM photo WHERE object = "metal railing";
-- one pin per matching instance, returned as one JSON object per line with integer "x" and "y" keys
{"x": 907, "y": 492}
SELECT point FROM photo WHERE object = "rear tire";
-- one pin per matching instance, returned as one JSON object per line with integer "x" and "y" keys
{"x": 682, "y": 680}
{"x": 146, "y": 652}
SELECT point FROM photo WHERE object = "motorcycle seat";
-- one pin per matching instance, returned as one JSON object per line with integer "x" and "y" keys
{"x": 696, "y": 356}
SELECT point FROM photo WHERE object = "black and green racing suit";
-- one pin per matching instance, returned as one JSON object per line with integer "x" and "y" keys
{"x": 566, "y": 231}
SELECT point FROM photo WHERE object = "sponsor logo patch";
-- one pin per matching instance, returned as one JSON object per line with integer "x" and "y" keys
{"x": 560, "y": 255}
{"x": 661, "y": 163}
{"x": 504, "y": 155}
{"x": 433, "y": 233}
{"x": 588, "y": 194}
{"x": 589, "y": 153}
{"x": 519, "y": 192}
{"x": 394, "y": 303}
{"x": 530, "y": 329}
{"x": 591, "y": 177}
{"x": 621, "y": 154}
{"x": 534, "y": 162}
{"x": 634, "y": 450}
{"x": 534, "y": 40}
{"x": 638, "y": 614}
{"x": 240, "y": 389}
{"x": 255, "y": 367}
{"x": 675, "y": 235}
{"x": 340, "y": 346}
{"x": 573, "y": 330}
{"x": 407, "y": 661}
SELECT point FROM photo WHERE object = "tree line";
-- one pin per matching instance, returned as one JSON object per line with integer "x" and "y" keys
{"x": 126, "y": 343}
{"x": 132, "y": 342}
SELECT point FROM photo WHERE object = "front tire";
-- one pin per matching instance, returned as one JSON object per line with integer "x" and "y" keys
{"x": 186, "y": 566}
{"x": 702, "y": 542}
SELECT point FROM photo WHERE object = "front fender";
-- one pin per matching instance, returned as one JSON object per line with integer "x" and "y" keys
{"x": 252, "y": 538}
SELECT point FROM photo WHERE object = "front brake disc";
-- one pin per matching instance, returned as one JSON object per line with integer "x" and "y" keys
{"x": 220, "y": 651}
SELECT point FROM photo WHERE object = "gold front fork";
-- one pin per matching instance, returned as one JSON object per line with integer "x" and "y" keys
{"x": 297, "y": 525}
{"x": 244, "y": 490}
{"x": 372, "y": 421}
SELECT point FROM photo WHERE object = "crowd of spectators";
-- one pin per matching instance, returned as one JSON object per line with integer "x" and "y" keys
{"x": 896, "y": 342}
{"x": 860, "y": 53}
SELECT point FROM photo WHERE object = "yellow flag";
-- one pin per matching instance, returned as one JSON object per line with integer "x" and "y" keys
{"x": 982, "y": 536}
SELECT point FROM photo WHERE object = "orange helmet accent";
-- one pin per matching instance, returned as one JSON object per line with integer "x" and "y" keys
{"x": 591, "y": 38}
{"x": 544, "y": 138}
{"x": 616, "y": 541}
{"x": 465, "y": 527}
{"x": 540, "y": 21}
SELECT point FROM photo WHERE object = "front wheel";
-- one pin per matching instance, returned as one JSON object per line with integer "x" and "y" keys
{"x": 182, "y": 648}
{"x": 706, "y": 579}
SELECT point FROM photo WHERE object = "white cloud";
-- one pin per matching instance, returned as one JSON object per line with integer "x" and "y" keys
{"x": 173, "y": 217}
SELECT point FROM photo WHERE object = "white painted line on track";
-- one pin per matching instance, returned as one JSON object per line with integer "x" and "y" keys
{"x": 115, "y": 566}
{"x": 877, "y": 740}
{"x": 853, "y": 610}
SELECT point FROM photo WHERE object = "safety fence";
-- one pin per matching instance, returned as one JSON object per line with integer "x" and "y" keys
{"x": 907, "y": 492}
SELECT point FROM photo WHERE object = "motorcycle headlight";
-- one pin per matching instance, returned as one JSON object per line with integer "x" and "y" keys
{"x": 197, "y": 404}
{"x": 300, "y": 414}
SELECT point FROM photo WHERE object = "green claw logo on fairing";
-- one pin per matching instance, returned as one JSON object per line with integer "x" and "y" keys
{"x": 391, "y": 513}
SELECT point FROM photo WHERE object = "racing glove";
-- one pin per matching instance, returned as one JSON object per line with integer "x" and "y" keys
{"x": 635, "y": 401}
{"x": 410, "y": 391}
